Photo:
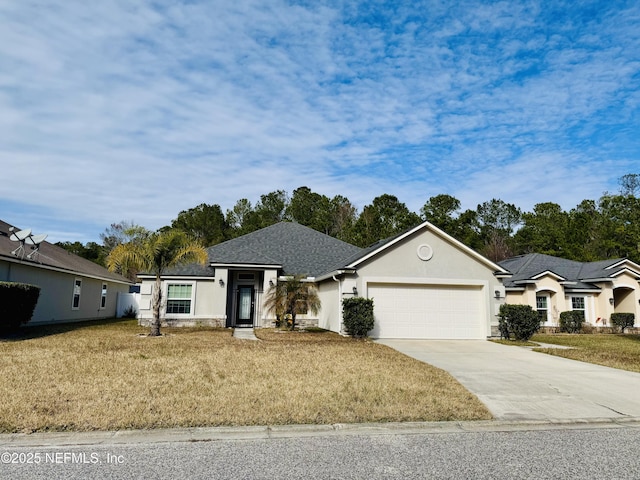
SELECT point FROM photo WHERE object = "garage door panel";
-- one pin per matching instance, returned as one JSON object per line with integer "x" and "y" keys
{"x": 427, "y": 311}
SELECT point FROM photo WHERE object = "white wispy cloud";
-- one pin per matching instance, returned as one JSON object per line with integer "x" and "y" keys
{"x": 113, "y": 110}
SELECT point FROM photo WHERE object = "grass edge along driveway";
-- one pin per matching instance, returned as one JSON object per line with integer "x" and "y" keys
{"x": 106, "y": 376}
{"x": 610, "y": 350}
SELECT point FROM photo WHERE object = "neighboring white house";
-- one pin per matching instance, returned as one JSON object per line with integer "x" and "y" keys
{"x": 71, "y": 288}
{"x": 553, "y": 285}
{"x": 424, "y": 283}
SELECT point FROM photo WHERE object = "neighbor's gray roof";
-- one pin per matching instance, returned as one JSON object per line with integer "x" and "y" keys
{"x": 287, "y": 246}
{"x": 53, "y": 257}
{"x": 527, "y": 267}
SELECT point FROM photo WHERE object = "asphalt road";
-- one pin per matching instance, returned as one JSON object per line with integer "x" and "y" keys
{"x": 582, "y": 452}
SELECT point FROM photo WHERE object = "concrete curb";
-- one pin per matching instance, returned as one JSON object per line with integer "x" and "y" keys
{"x": 209, "y": 434}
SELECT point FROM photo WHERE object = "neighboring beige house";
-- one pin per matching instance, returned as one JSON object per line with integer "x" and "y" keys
{"x": 424, "y": 283}
{"x": 71, "y": 288}
{"x": 552, "y": 285}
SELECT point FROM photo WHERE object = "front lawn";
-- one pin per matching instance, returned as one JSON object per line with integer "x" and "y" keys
{"x": 107, "y": 377}
{"x": 617, "y": 351}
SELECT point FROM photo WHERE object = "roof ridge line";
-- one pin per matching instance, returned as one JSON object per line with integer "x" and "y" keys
{"x": 529, "y": 260}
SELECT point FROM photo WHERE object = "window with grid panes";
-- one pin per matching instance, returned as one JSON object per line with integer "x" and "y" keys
{"x": 542, "y": 308}
{"x": 179, "y": 298}
{"x": 577, "y": 303}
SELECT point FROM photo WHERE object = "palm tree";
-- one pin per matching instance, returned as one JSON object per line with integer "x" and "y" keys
{"x": 292, "y": 296}
{"x": 155, "y": 254}
{"x": 274, "y": 302}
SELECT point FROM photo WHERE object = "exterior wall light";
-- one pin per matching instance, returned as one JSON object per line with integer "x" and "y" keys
{"x": 221, "y": 282}
{"x": 497, "y": 294}
{"x": 611, "y": 301}
{"x": 355, "y": 291}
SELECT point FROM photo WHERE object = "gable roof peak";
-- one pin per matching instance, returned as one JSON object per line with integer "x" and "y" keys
{"x": 382, "y": 245}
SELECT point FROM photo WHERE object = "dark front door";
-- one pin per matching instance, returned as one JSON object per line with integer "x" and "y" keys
{"x": 244, "y": 315}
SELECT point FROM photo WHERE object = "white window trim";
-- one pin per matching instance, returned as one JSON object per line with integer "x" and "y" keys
{"x": 588, "y": 305}
{"x": 73, "y": 293}
{"x": 165, "y": 294}
{"x": 548, "y": 298}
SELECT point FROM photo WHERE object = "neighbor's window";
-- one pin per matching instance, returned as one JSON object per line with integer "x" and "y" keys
{"x": 179, "y": 298}
{"x": 77, "y": 288}
{"x": 542, "y": 308}
{"x": 577, "y": 303}
{"x": 103, "y": 296}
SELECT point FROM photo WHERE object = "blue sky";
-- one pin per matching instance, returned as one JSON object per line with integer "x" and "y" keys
{"x": 118, "y": 110}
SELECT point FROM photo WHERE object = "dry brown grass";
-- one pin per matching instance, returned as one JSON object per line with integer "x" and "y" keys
{"x": 105, "y": 377}
{"x": 616, "y": 351}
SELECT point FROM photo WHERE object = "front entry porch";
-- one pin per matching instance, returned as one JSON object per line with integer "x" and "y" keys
{"x": 244, "y": 299}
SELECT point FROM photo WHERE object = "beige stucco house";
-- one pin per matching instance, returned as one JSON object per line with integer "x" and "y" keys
{"x": 71, "y": 288}
{"x": 553, "y": 285}
{"x": 424, "y": 283}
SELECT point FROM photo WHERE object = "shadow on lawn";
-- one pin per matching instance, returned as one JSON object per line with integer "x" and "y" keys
{"x": 38, "y": 331}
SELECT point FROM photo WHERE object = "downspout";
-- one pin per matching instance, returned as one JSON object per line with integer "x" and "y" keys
{"x": 339, "y": 303}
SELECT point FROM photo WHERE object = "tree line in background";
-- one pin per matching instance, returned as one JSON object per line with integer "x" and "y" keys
{"x": 594, "y": 230}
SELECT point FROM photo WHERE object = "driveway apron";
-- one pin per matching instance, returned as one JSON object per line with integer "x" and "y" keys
{"x": 516, "y": 383}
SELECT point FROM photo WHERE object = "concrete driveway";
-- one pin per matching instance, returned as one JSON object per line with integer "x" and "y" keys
{"x": 516, "y": 383}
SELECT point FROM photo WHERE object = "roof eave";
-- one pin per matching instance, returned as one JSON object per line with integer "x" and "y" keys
{"x": 597, "y": 280}
{"x": 550, "y": 273}
{"x": 246, "y": 265}
{"x": 502, "y": 274}
{"x": 622, "y": 262}
{"x": 582, "y": 290}
{"x": 68, "y": 271}
{"x": 147, "y": 276}
{"x": 334, "y": 274}
{"x": 626, "y": 270}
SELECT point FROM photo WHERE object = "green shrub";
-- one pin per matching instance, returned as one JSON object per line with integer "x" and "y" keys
{"x": 357, "y": 314}
{"x": 622, "y": 320}
{"x": 17, "y": 303}
{"x": 521, "y": 321}
{"x": 571, "y": 321}
{"x": 130, "y": 312}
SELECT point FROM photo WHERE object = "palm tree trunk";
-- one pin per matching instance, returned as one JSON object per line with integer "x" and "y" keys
{"x": 156, "y": 301}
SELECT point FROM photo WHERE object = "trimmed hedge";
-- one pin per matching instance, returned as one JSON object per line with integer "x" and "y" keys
{"x": 571, "y": 321}
{"x": 357, "y": 315}
{"x": 623, "y": 320}
{"x": 521, "y": 321}
{"x": 17, "y": 303}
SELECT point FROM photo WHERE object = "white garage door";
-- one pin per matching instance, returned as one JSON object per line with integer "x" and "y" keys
{"x": 427, "y": 311}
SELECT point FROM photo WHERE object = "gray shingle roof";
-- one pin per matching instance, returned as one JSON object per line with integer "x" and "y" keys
{"x": 599, "y": 269}
{"x": 55, "y": 257}
{"x": 291, "y": 247}
{"x": 527, "y": 267}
